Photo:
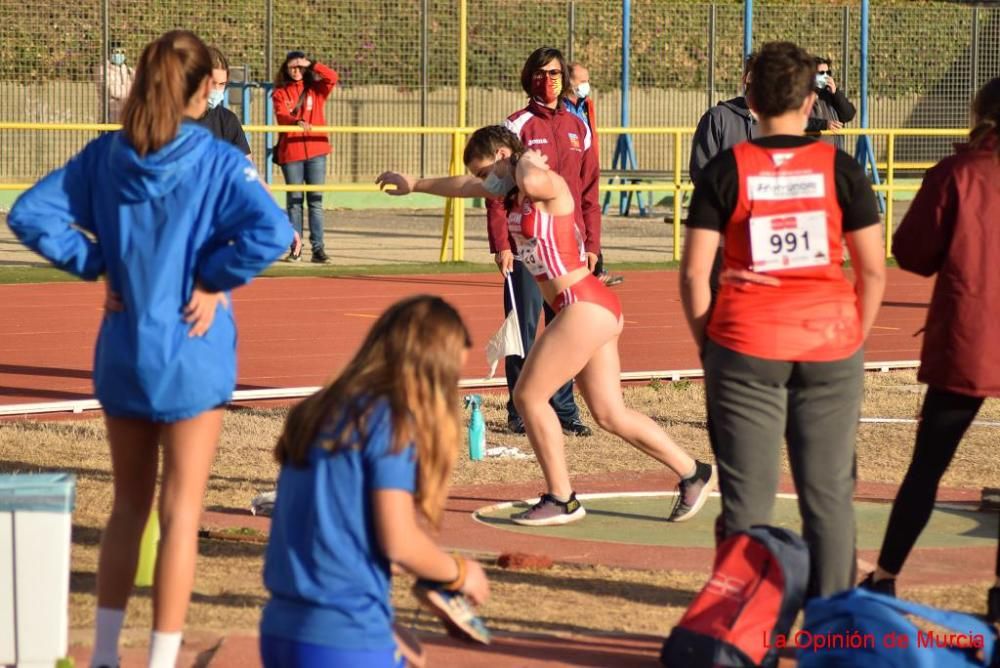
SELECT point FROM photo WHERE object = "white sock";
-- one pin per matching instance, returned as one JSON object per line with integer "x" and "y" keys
{"x": 694, "y": 470}
{"x": 106, "y": 632}
{"x": 163, "y": 649}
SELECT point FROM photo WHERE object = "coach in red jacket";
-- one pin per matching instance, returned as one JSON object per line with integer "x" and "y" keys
{"x": 544, "y": 125}
{"x": 300, "y": 92}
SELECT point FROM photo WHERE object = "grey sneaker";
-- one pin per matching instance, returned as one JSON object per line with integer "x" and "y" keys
{"x": 693, "y": 492}
{"x": 549, "y": 511}
{"x": 454, "y": 610}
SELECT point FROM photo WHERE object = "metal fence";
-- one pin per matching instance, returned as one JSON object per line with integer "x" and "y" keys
{"x": 398, "y": 63}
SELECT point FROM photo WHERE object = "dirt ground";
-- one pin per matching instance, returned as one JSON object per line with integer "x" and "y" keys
{"x": 228, "y": 591}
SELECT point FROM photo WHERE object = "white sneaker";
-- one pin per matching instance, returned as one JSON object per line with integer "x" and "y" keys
{"x": 263, "y": 504}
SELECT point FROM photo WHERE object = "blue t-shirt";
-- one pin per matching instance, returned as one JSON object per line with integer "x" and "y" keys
{"x": 328, "y": 578}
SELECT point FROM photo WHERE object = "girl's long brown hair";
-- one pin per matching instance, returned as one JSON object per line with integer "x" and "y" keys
{"x": 412, "y": 359}
{"x": 986, "y": 111}
{"x": 169, "y": 73}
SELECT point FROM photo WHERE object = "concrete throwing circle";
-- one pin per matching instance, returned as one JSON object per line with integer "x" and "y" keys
{"x": 638, "y": 518}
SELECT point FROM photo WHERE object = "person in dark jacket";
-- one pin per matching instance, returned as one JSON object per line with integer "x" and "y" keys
{"x": 174, "y": 219}
{"x": 832, "y": 109}
{"x": 546, "y": 126}
{"x": 218, "y": 120}
{"x": 947, "y": 232}
{"x": 579, "y": 101}
{"x": 722, "y": 127}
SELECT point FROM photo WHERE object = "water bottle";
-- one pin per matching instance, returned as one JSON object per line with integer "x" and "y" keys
{"x": 146, "y": 567}
{"x": 477, "y": 428}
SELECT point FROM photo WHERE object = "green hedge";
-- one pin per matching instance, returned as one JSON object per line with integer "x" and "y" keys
{"x": 914, "y": 43}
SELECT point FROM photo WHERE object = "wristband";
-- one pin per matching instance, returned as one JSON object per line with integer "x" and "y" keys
{"x": 459, "y": 581}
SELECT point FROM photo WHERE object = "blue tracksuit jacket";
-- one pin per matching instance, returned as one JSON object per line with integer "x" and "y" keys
{"x": 194, "y": 210}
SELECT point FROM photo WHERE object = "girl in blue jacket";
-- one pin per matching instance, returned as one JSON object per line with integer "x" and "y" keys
{"x": 360, "y": 460}
{"x": 174, "y": 219}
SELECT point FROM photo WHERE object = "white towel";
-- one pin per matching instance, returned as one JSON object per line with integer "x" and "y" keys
{"x": 507, "y": 340}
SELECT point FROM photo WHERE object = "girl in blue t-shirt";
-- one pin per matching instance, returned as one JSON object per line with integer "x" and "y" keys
{"x": 360, "y": 459}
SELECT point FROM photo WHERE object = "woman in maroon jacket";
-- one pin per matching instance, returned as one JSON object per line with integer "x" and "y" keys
{"x": 300, "y": 91}
{"x": 951, "y": 229}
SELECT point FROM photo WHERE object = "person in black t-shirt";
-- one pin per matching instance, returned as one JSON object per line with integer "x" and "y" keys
{"x": 223, "y": 123}
{"x": 217, "y": 119}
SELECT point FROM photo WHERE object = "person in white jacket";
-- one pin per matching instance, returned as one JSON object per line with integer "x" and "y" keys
{"x": 114, "y": 81}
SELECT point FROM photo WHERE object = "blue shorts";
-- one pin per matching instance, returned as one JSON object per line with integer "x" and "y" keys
{"x": 282, "y": 653}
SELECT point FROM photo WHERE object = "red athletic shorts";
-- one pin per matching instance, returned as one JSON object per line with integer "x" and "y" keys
{"x": 589, "y": 289}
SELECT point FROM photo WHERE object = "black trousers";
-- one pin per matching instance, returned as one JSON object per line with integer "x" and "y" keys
{"x": 944, "y": 419}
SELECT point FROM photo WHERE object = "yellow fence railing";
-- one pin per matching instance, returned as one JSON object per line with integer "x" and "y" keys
{"x": 453, "y": 226}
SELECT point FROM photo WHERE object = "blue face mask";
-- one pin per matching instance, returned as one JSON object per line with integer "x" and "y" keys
{"x": 499, "y": 186}
{"x": 215, "y": 98}
{"x": 117, "y": 58}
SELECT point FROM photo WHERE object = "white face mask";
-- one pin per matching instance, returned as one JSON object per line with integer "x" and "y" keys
{"x": 582, "y": 90}
{"x": 215, "y": 98}
{"x": 499, "y": 186}
{"x": 117, "y": 58}
{"x": 821, "y": 81}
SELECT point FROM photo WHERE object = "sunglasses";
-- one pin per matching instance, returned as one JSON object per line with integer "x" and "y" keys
{"x": 552, "y": 74}
{"x": 827, "y": 72}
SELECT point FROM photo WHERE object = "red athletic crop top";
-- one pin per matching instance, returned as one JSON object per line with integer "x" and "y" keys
{"x": 787, "y": 223}
{"x": 549, "y": 246}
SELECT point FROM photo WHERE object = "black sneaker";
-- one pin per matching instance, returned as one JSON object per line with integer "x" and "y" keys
{"x": 885, "y": 586}
{"x": 693, "y": 492}
{"x": 293, "y": 256}
{"x": 515, "y": 424}
{"x": 320, "y": 257}
{"x": 575, "y": 427}
{"x": 993, "y": 605}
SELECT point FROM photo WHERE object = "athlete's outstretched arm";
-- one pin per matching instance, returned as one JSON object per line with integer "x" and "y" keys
{"x": 443, "y": 186}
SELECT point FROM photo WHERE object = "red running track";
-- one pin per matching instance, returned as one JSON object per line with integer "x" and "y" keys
{"x": 301, "y": 331}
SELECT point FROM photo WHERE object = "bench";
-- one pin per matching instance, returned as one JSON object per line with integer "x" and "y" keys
{"x": 632, "y": 176}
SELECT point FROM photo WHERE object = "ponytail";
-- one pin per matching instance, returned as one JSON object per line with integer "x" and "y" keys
{"x": 169, "y": 73}
{"x": 986, "y": 112}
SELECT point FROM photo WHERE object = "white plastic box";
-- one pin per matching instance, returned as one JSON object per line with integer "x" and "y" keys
{"x": 35, "y": 535}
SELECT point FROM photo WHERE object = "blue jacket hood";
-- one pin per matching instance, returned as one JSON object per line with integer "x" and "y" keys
{"x": 140, "y": 178}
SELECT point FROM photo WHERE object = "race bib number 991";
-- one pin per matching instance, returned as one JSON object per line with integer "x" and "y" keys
{"x": 789, "y": 241}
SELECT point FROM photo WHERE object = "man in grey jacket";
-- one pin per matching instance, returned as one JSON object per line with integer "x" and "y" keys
{"x": 723, "y": 126}
{"x": 730, "y": 122}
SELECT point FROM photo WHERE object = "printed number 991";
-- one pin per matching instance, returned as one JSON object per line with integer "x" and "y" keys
{"x": 788, "y": 242}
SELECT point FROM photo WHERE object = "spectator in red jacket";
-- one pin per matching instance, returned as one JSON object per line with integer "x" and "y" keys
{"x": 949, "y": 231}
{"x": 546, "y": 126}
{"x": 300, "y": 91}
